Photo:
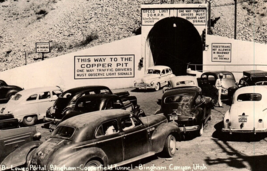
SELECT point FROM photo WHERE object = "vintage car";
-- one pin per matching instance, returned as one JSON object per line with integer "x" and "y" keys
{"x": 188, "y": 107}
{"x": 12, "y": 136}
{"x": 155, "y": 78}
{"x": 103, "y": 138}
{"x": 97, "y": 102}
{"x": 207, "y": 83}
{"x": 7, "y": 91}
{"x": 30, "y": 105}
{"x": 251, "y": 77}
{"x": 182, "y": 81}
{"x": 68, "y": 98}
{"x": 248, "y": 112}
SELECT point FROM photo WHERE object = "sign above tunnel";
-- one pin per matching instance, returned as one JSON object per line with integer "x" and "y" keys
{"x": 195, "y": 16}
{"x": 173, "y": 35}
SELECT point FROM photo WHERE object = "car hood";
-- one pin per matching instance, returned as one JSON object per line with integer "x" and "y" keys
{"x": 249, "y": 110}
{"x": 182, "y": 110}
{"x": 44, "y": 153}
{"x": 153, "y": 119}
{"x": 60, "y": 104}
{"x": 148, "y": 78}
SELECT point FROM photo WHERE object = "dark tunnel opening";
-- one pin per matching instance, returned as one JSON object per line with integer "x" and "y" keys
{"x": 175, "y": 42}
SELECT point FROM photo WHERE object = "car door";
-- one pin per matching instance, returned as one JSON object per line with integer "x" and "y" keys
{"x": 109, "y": 139}
{"x": 45, "y": 100}
{"x": 135, "y": 137}
{"x": 164, "y": 78}
{"x": 10, "y": 139}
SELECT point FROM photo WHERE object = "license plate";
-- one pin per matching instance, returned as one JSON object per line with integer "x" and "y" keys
{"x": 242, "y": 119}
{"x": 173, "y": 117}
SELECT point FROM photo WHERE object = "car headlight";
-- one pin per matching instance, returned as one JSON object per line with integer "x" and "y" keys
{"x": 152, "y": 83}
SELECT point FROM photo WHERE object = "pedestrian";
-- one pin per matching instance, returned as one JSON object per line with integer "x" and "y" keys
{"x": 219, "y": 87}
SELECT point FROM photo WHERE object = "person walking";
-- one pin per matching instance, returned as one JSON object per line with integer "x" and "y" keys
{"x": 219, "y": 87}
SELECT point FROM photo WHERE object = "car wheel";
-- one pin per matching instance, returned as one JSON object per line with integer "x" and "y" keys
{"x": 94, "y": 165}
{"x": 157, "y": 87}
{"x": 201, "y": 130}
{"x": 29, "y": 120}
{"x": 169, "y": 146}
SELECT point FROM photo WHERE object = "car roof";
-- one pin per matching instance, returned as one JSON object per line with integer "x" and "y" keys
{"x": 92, "y": 119}
{"x": 38, "y": 89}
{"x": 218, "y": 72}
{"x": 186, "y": 89}
{"x": 78, "y": 89}
{"x": 255, "y": 73}
{"x": 183, "y": 78}
{"x": 98, "y": 96}
{"x": 261, "y": 89}
{"x": 158, "y": 67}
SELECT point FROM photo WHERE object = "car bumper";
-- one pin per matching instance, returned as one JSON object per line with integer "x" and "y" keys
{"x": 192, "y": 128}
{"x": 258, "y": 130}
{"x": 52, "y": 120}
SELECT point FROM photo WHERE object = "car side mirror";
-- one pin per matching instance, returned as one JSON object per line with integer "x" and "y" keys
{"x": 159, "y": 101}
{"x": 37, "y": 136}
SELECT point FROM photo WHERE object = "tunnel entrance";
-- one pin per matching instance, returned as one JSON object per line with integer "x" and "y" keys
{"x": 175, "y": 42}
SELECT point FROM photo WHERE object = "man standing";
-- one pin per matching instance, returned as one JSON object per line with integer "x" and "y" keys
{"x": 219, "y": 87}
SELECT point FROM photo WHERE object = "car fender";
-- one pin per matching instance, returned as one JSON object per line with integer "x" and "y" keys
{"x": 19, "y": 156}
{"x": 23, "y": 111}
{"x": 80, "y": 157}
{"x": 161, "y": 133}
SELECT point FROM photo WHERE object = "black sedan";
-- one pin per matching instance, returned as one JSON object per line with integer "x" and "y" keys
{"x": 188, "y": 107}
{"x": 6, "y": 91}
{"x": 97, "y": 102}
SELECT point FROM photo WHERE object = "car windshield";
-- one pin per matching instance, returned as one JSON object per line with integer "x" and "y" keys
{"x": 89, "y": 105}
{"x": 228, "y": 76}
{"x": 186, "y": 82}
{"x": 153, "y": 71}
{"x": 63, "y": 131}
{"x": 249, "y": 97}
{"x": 66, "y": 95}
{"x": 16, "y": 97}
{"x": 180, "y": 98}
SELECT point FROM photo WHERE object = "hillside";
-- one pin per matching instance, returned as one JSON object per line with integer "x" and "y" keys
{"x": 72, "y": 25}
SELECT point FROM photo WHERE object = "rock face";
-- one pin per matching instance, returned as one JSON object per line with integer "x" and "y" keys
{"x": 72, "y": 25}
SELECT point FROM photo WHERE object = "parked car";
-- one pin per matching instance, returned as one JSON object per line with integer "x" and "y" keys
{"x": 102, "y": 138}
{"x": 248, "y": 112}
{"x": 30, "y": 105}
{"x": 7, "y": 91}
{"x": 251, "y": 77}
{"x": 207, "y": 83}
{"x": 68, "y": 98}
{"x": 155, "y": 78}
{"x": 12, "y": 136}
{"x": 182, "y": 81}
{"x": 97, "y": 102}
{"x": 188, "y": 107}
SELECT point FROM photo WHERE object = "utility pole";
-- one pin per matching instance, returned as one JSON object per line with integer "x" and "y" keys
{"x": 209, "y": 21}
{"x": 235, "y": 18}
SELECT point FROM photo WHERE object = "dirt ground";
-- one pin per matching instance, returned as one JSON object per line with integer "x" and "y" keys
{"x": 211, "y": 151}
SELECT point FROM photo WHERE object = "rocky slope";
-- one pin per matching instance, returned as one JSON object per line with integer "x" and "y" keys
{"x": 72, "y": 25}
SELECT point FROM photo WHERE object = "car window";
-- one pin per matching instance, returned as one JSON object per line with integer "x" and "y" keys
{"x": 129, "y": 122}
{"x": 211, "y": 78}
{"x": 167, "y": 71}
{"x": 117, "y": 104}
{"x": 170, "y": 70}
{"x": 64, "y": 131}
{"x": 88, "y": 105}
{"x": 249, "y": 97}
{"x": 16, "y": 97}
{"x": 153, "y": 71}
{"x": 204, "y": 76}
{"x": 44, "y": 95}
{"x": 163, "y": 71}
{"x": 107, "y": 128}
{"x": 228, "y": 76}
{"x": 66, "y": 95}
{"x": 32, "y": 97}
{"x": 180, "y": 98}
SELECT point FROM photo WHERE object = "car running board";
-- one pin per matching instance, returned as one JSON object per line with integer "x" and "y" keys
{"x": 132, "y": 159}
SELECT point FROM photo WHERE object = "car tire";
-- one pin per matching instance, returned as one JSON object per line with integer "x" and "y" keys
{"x": 29, "y": 120}
{"x": 157, "y": 87}
{"x": 95, "y": 164}
{"x": 169, "y": 146}
{"x": 201, "y": 130}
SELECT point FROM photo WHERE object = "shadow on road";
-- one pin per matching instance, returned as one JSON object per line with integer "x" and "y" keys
{"x": 237, "y": 159}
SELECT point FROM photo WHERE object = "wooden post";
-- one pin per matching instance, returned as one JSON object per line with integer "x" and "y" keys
{"x": 235, "y": 18}
{"x": 25, "y": 58}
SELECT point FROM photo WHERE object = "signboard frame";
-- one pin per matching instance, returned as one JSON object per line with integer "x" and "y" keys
{"x": 221, "y": 60}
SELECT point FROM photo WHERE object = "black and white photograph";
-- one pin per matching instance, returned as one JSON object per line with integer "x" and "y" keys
{"x": 133, "y": 85}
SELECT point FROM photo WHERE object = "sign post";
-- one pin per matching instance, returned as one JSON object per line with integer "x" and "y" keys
{"x": 42, "y": 47}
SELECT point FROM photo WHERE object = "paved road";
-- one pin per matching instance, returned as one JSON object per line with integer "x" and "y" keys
{"x": 209, "y": 152}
